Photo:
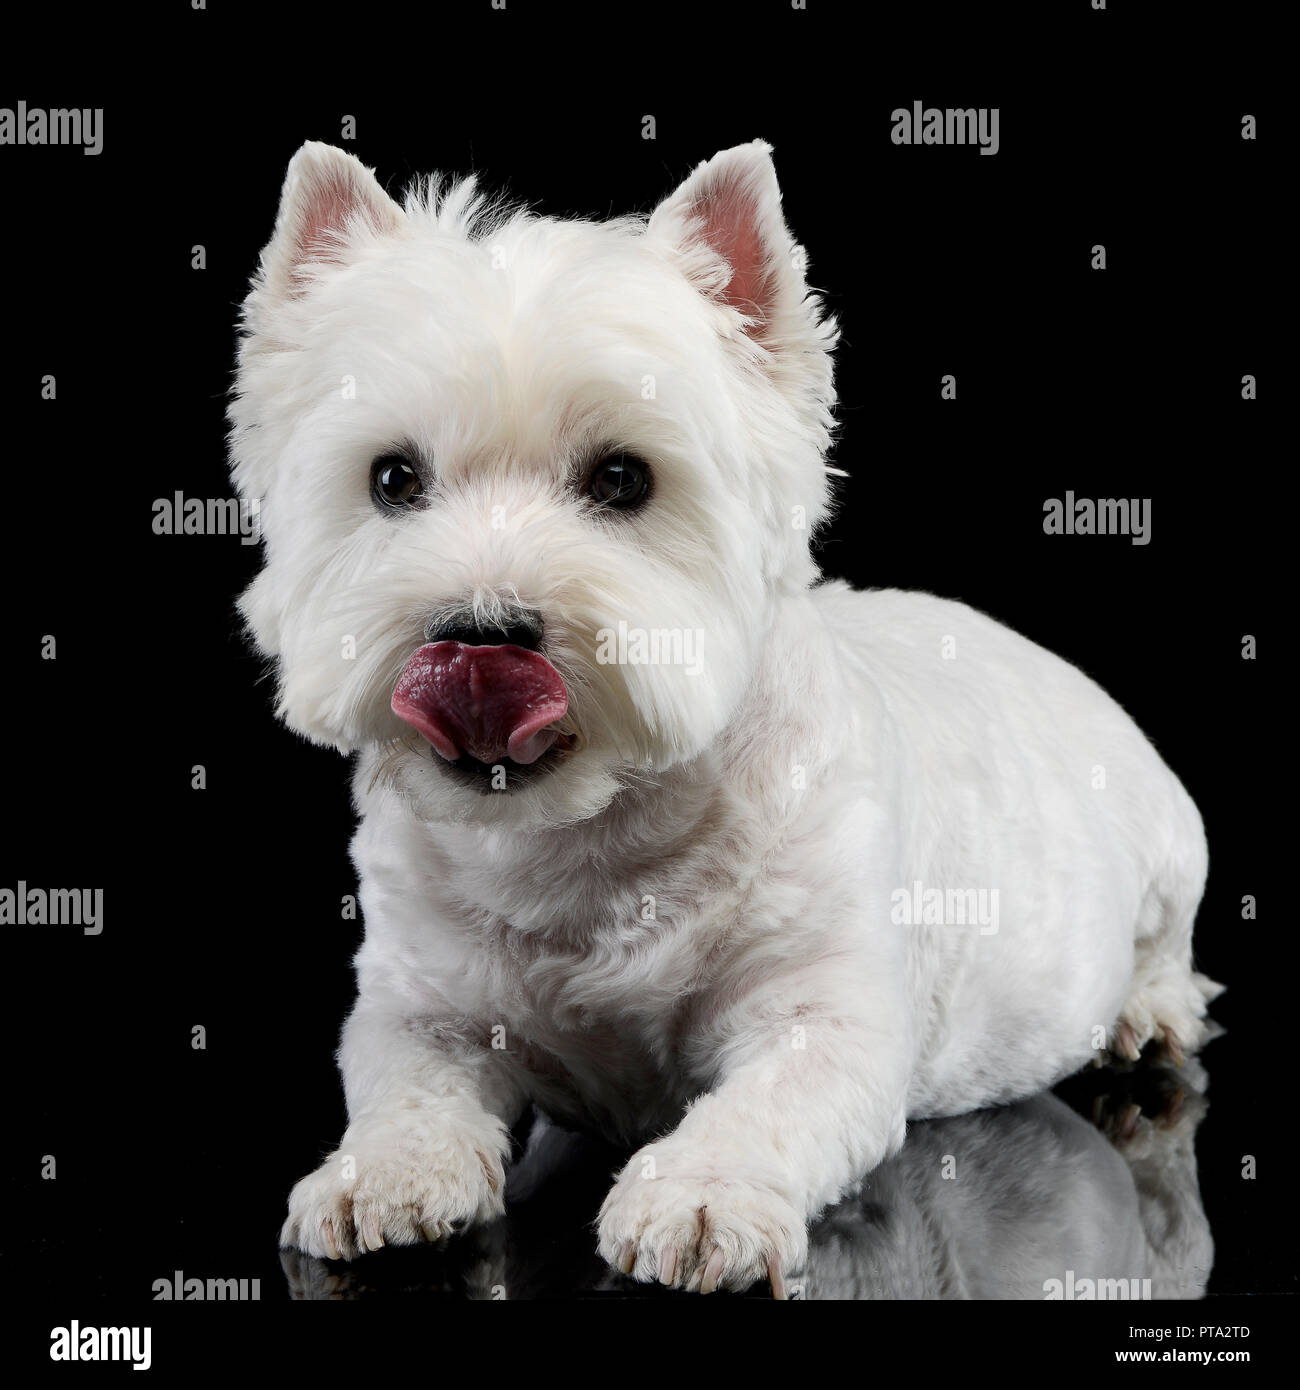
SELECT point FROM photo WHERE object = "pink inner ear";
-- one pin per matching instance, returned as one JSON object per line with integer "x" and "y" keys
{"x": 729, "y": 224}
{"x": 324, "y": 217}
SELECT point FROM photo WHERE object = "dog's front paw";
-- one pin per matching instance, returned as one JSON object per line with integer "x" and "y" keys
{"x": 396, "y": 1183}
{"x": 696, "y": 1222}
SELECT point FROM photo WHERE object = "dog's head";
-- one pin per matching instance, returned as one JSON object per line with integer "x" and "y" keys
{"x": 529, "y": 488}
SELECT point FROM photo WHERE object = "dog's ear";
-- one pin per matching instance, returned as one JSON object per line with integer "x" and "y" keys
{"x": 725, "y": 227}
{"x": 330, "y": 204}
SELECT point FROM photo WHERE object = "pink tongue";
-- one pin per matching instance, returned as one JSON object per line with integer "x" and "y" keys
{"x": 489, "y": 702}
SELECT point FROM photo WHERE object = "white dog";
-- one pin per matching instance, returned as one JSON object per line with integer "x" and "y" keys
{"x": 657, "y": 831}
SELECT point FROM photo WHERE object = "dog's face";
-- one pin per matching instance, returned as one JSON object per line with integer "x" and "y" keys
{"x": 528, "y": 487}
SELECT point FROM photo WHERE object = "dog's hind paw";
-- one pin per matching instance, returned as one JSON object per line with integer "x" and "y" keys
{"x": 1169, "y": 1011}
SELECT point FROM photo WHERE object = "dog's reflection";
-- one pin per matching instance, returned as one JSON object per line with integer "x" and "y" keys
{"x": 1028, "y": 1202}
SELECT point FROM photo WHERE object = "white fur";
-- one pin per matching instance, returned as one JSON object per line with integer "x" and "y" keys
{"x": 683, "y": 933}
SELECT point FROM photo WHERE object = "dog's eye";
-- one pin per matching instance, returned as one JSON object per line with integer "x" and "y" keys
{"x": 393, "y": 481}
{"x": 619, "y": 480}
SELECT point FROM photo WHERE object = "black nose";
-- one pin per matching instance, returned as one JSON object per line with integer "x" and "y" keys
{"x": 519, "y": 627}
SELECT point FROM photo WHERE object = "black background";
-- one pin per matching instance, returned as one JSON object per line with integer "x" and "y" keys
{"x": 222, "y": 906}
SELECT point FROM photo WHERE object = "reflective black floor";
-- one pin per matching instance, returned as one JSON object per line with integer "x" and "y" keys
{"x": 1064, "y": 1195}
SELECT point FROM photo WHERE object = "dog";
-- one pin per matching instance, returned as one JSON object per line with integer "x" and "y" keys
{"x": 659, "y": 832}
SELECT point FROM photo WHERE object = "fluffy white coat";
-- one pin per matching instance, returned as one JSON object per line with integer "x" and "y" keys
{"x": 687, "y": 934}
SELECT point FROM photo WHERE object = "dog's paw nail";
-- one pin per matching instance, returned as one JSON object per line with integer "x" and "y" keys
{"x": 713, "y": 1271}
{"x": 1174, "y": 1047}
{"x": 776, "y": 1277}
{"x": 626, "y": 1256}
{"x": 1126, "y": 1040}
{"x": 332, "y": 1251}
{"x": 372, "y": 1231}
{"x": 667, "y": 1265}
{"x": 1173, "y": 1110}
{"x": 1129, "y": 1121}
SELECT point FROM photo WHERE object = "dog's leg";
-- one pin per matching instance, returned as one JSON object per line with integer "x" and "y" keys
{"x": 424, "y": 1151}
{"x": 725, "y": 1199}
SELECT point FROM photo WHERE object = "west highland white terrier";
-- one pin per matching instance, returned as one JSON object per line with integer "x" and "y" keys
{"x": 658, "y": 831}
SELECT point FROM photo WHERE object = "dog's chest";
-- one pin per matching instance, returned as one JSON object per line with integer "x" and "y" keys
{"x": 620, "y": 1081}
{"x": 606, "y": 1038}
